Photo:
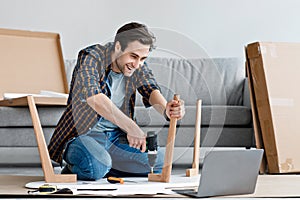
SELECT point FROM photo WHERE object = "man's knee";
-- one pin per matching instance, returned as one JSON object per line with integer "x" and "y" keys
{"x": 88, "y": 159}
{"x": 91, "y": 168}
{"x": 101, "y": 167}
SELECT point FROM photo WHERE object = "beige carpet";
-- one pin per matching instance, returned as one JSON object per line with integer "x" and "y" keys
{"x": 267, "y": 186}
{"x": 10, "y": 184}
{"x": 277, "y": 186}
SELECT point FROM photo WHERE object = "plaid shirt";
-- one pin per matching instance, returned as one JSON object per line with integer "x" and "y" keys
{"x": 88, "y": 79}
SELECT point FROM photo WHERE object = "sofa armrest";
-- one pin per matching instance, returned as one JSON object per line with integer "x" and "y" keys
{"x": 246, "y": 94}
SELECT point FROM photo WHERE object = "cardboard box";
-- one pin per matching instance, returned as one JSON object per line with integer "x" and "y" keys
{"x": 31, "y": 62}
{"x": 274, "y": 70}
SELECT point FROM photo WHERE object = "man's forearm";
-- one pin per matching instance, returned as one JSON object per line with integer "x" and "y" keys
{"x": 107, "y": 109}
{"x": 158, "y": 101}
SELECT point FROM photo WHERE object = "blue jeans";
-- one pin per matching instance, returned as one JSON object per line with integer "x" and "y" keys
{"x": 92, "y": 159}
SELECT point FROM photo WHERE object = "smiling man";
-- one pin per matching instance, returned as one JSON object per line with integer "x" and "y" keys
{"x": 101, "y": 109}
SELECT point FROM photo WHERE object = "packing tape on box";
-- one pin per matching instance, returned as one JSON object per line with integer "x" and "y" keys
{"x": 288, "y": 165}
{"x": 268, "y": 49}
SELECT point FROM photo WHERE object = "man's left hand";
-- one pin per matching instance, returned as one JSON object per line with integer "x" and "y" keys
{"x": 175, "y": 109}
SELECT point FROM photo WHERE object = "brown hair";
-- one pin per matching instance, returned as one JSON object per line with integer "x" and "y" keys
{"x": 134, "y": 32}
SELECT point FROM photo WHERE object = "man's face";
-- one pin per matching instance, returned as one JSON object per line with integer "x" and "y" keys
{"x": 131, "y": 58}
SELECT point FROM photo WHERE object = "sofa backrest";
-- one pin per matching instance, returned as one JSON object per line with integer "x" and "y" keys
{"x": 217, "y": 81}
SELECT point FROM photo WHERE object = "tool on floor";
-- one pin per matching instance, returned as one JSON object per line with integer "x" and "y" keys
{"x": 151, "y": 147}
{"x": 44, "y": 189}
{"x": 112, "y": 179}
{"x": 47, "y": 189}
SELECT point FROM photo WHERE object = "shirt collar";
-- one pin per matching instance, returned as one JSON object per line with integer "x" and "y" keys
{"x": 108, "y": 50}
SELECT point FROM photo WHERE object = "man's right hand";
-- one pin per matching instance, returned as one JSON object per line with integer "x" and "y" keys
{"x": 138, "y": 142}
{"x": 105, "y": 107}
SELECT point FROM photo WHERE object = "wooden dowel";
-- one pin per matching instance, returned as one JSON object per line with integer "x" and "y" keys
{"x": 167, "y": 168}
{"x": 195, "y": 166}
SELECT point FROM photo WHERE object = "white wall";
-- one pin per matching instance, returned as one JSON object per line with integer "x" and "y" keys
{"x": 220, "y": 27}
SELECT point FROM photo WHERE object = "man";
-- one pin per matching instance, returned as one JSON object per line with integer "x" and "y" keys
{"x": 100, "y": 109}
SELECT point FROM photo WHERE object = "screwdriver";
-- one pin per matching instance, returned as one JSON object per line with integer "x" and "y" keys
{"x": 112, "y": 179}
{"x": 115, "y": 180}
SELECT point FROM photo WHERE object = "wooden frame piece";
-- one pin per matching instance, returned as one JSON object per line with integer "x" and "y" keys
{"x": 49, "y": 175}
{"x": 256, "y": 125}
{"x": 195, "y": 166}
{"x": 167, "y": 168}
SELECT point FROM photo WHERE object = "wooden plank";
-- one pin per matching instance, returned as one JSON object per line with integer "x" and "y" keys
{"x": 50, "y": 177}
{"x": 256, "y": 126}
{"x": 263, "y": 110}
{"x": 195, "y": 166}
{"x": 167, "y": 168}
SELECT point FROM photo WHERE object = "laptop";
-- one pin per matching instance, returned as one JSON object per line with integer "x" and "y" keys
{"x": 228, "y": 172}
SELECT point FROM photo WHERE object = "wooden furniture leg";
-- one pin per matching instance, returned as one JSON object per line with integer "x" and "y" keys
{"x": 195, "y": 166}
{"x": 167, "y": 168}
{"x": 50, "y": 177}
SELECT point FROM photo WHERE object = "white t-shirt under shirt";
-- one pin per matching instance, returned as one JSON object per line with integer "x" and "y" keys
{"x": 116, "y": 84}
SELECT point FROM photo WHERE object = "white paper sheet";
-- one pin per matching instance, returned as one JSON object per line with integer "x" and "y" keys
{"x": 132, "y": 186}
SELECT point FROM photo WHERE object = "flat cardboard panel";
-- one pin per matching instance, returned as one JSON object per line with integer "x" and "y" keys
{"x": 275, "y": 69}
{"x": 22, "y": 101}
{"x": 31, "y": 62}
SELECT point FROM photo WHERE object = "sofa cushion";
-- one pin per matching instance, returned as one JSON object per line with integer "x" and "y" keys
{"x": 22, "y": 137}
{"x": 20, "y": 116}
{"x": 210, "y": 115}
{"x": 210, "y": 136}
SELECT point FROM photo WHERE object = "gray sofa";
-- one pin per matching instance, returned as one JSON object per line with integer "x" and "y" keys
{"x": 219, "y": 82}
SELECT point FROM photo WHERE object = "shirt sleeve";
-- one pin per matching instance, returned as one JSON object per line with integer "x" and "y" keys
{"x": 87, "y": 75}
{"x": 146, "y": 84}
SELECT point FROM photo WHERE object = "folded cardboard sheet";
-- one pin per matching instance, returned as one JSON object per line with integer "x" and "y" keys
{"x": 274, "y": 70}
{"x": 31, "y": 62}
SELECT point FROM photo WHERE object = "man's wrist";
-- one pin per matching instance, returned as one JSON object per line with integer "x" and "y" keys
{"x": 165, "y": 115}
